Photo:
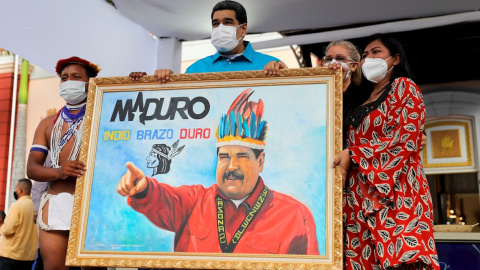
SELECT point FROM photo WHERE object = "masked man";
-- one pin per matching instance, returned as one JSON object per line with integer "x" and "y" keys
{"x": 60, "y": 135}
{"x": 237, "y": 214}
{"x": 19, "y": 239}
{"x": 229, "y": 27}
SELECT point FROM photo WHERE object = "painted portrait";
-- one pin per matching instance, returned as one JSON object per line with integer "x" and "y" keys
{"x": 207, "y": 169}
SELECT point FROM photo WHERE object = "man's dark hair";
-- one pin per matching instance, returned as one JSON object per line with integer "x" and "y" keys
{"x": 26, "y": 184}
{"x": 3, "y": 215}
{"x": 257, "y": 152}
{"x": 89, "y": 71}
{"x": 240, "y": 12}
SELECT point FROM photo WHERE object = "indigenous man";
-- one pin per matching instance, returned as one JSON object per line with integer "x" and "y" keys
{"x": 238, "y": 213}
{"x": 60, "y": 135}
{"x": 229, "y": 27}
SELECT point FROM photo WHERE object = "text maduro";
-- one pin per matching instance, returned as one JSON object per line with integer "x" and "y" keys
{"x": 151, "y": 109}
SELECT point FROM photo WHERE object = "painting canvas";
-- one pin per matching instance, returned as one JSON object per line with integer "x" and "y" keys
{"x": 187, "y": 138}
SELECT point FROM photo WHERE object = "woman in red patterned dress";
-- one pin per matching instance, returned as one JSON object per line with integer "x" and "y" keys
{"x": 387, "y": 215}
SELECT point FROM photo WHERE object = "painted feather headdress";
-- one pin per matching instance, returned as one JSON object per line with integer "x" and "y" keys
{"x": 243, "y": 124}
{"x": 174, "y": 150}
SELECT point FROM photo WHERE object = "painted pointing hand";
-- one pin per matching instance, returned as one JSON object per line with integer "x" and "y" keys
{"x": 132, "y": 182}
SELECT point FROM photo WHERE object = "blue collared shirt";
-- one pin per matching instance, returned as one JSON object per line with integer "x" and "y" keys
{"x": 249, "y": 60}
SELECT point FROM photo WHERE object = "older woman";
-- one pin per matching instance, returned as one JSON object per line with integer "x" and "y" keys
{"x": 388, "y": 214}
{"x": 343, "y": 54}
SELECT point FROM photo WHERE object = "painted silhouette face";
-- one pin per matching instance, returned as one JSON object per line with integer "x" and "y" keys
{"x": 237, "y": 171}
{"x": 152, "y": 160}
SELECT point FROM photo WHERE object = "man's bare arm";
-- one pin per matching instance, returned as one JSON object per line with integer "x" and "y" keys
{"x": 36, "y": 159}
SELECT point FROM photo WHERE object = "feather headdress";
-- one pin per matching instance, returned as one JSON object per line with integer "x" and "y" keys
{"x": 243, "y": 124}
{"x": 92, "y": 69}
{"x": 174, "y": 150}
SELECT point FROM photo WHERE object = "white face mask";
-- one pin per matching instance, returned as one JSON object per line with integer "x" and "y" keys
{"x": 224, "y": 38}
{"x": 345, "y": 65}
{"x": 73, "y": 92}
{"x": 375, "y": 69}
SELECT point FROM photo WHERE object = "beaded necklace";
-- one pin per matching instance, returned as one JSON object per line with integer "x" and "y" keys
{"x": 75, "y": 128}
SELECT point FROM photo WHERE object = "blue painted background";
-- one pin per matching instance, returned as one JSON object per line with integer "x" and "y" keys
{"x": 294, "y": 164}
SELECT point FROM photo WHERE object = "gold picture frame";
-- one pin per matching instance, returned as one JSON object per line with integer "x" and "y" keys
{"x": 303, "y": 108}
{"x": 450, "y": 146}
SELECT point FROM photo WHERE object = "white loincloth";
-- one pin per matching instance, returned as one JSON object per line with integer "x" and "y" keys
{"x": 59, "y": 211}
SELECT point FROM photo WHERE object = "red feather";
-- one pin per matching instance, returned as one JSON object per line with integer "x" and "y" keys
{"x": 259, "y": 110}
{"x": 240, "y": 100}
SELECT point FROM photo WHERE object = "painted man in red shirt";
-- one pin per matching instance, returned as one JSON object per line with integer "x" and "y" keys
{"x": 237, "y": 214}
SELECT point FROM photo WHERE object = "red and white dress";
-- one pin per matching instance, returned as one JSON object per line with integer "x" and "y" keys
{"x": 388, "y": 213}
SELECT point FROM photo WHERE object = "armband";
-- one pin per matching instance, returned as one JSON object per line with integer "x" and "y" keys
{"x": 39, "y": 148}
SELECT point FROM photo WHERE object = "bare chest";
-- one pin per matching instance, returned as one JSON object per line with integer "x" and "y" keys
{"x": 61, "y": 142}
